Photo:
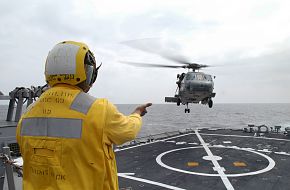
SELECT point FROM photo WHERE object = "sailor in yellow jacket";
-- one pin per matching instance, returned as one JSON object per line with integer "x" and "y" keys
{"x": 66, "y": 136}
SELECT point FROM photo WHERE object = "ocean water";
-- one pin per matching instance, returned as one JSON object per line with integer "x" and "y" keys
{"x": 169, "y": 117}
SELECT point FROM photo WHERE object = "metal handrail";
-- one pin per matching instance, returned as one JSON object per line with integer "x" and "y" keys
{"x": 9, "y": 165}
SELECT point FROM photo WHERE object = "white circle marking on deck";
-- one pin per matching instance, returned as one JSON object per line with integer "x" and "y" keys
{"x": 270, "y": 166}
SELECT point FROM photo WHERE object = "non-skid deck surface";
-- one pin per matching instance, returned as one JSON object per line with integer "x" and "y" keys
{"x": 222, "y": 159}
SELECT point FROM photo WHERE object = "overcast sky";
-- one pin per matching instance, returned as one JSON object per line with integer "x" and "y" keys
{"x": 251, "y": 38}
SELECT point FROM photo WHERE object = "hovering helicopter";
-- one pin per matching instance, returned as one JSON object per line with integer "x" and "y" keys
{"x": 192, "y": 87}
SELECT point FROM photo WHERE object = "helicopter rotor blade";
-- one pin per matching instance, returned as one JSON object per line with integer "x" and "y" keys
{"x": 176, "y": 58}
{"x": 202, "y": 66}
{"x": 154, "y": 46}
{"x": 139, "y": 64}
{"x": 146, "y": 46}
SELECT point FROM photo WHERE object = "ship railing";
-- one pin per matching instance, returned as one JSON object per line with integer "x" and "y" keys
{"x": 154, "y": 137}
{"x": 10, "y": 167}
{"x": 17, "y": 98}
{"x": 260, "y": 130}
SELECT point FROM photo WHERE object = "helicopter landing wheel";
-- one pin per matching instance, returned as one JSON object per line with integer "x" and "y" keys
{"x": 178, "y": 102}
{"x": 187, "y": 110}
{"x": 210, "y": 103}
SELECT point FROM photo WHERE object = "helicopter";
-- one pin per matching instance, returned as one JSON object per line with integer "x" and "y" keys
{"x": 192, "y": 87}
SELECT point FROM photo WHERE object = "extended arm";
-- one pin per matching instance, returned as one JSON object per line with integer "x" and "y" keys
{"x": 120, "y": 128}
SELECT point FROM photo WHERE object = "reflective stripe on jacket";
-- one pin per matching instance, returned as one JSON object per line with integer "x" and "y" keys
{"x": 66, "y": 140}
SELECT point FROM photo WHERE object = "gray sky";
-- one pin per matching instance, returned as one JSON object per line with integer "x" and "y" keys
{"x": 251, "y": 37}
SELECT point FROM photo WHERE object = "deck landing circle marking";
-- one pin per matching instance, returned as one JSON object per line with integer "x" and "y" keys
{"x": 270, "y": 166}
{"x": 212, "y": 158}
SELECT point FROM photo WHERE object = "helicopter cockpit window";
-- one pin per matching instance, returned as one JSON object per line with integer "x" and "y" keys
{"x": 190, "y": 76}
{"x": 200, "y": 77}
{"x": 208, "y": 77}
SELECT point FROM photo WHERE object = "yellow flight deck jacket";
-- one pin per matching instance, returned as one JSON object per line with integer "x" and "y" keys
{"x": 66, "y": 140}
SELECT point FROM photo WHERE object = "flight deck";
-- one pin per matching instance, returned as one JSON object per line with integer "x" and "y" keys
{"x": 207, "y": 159}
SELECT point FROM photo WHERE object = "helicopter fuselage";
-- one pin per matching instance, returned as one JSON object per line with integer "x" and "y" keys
{"x": 196, "y": 87}
{"x": 193, "y": 87}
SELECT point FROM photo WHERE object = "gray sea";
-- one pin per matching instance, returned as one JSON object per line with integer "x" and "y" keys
{"x": 169, "y": 117}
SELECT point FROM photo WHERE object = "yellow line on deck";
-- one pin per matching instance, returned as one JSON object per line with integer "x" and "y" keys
{"x": 240, "y": 164}
{"x": 192, "y": 164}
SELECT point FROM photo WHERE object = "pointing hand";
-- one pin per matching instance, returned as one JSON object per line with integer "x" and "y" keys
{"x": 141, "y": 110}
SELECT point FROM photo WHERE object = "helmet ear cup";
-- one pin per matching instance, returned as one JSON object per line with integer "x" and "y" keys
{"x": 89, "y": 74}
{"x": 90, "y": 68}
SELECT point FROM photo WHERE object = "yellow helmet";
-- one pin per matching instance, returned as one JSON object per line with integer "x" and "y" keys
{"x": 71, "y": 63}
